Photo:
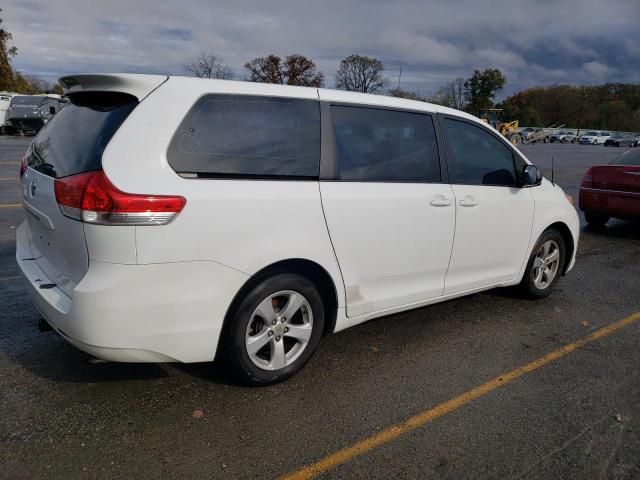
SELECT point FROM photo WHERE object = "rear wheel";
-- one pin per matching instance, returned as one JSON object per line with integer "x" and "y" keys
{"x": 274, "y": 329}
{"x": 515, "y": 139}
{"x": 596, "y": 219}
{"x": 545, "y": 265}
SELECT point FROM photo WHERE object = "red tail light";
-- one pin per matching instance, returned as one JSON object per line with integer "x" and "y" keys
{"x": 587, "y": 180}
{"x": 90, "y": 197}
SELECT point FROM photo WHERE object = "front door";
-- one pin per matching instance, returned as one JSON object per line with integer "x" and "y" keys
{"x": 493, "y": 215}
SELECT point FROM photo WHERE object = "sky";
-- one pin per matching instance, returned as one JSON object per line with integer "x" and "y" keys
{"x": 533, "y": 43}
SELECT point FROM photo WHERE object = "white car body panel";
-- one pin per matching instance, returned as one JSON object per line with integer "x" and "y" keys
{"x": 161, "y": 293}
{"x": 392, "y": 244}
{"x": 498, "y": 224}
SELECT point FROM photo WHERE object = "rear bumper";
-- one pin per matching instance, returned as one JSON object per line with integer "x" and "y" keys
{"x": 137, "y": 313}
{"x": 611, "y": 203}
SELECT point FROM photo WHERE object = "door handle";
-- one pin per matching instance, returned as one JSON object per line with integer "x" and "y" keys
{"x": 468, "y": 201}
{"x": 440, "y": 201}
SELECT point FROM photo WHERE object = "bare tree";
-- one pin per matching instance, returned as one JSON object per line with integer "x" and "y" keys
{"x": 400, "y": 93}
{"x": 457, "y": 93}
{"x": 208, "y": 65}
{"x": 295, "y": 70}
{"x": 451, "y": 95}
{"x": 358, "y": 73}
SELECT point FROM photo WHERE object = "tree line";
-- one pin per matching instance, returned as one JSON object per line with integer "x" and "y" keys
{"x": 614, "y": 106}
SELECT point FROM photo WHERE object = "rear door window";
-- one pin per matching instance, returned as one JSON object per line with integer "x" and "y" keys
{"x": 477, "y": 157}
{"x": 236, "y": 135}
{"x": 73, "y": 140}
{"x": 375, "y": 145}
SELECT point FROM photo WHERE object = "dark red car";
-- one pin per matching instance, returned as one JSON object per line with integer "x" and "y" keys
{"x": 612, "y": 190}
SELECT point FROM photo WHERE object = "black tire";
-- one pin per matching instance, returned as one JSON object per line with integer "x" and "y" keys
{"x": 233, "y": 339}
{"x": 527, "y": 285}
{"x": 546, "y": 139}
{"x": 596, "y": 219}
{"x": 515, "y": 139}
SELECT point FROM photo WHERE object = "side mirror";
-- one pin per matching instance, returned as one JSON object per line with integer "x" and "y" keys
{"x": 531, "y": 176}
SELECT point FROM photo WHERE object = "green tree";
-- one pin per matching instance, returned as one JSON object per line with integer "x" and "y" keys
{"x": 10, "y": 79}
{"x": 481, "y": 88}
{"x": 6, "y": 54}
{"x": 358, "y": 73}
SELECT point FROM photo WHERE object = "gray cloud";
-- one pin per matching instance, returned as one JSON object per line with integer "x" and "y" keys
{"x": 533, "y": 42}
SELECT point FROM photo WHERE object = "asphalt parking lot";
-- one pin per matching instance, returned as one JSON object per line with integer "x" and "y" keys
{"x": 573, "y": 414}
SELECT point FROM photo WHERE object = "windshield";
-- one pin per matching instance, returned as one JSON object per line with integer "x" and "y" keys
{"x": 26, "y": 102}
{"x": 630, "y": 157}
{"x": 591, "y": 134}
{"x": 73, "y": 141}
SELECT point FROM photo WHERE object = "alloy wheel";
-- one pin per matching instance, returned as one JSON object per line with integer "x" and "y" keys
{"x": 279, "y": 330}
{"x": 546, "y": 264}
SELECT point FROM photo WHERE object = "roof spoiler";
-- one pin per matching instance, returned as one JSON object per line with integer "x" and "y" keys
{"x": 137, "y": 85}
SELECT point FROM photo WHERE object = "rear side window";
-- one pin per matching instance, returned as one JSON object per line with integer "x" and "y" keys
{"x": 477, "y": 157}
{"x": 231, "y": 135}
{"x": 385, "y": 145}
{"x": 73, "y": 140}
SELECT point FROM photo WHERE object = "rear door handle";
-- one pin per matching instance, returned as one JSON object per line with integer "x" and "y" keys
{"x": 440, "y": 201}
{"x": 468, "y": 201}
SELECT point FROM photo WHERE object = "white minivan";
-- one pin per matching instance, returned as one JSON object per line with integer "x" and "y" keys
{"x": 174, "y": 219}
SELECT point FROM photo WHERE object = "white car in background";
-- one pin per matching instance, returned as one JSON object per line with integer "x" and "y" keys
{"x": 594, "y": 138}
{"x": 174, "y": 219}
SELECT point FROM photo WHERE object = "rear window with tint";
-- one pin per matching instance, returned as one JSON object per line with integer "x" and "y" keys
{"x": 73, "y": 140}
{"x": 236, "y": 135}
{"x": 628, "y": 158}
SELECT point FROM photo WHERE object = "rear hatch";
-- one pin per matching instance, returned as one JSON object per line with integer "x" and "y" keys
{"x": 70, "y": 144}
{"x": 618, "y": 178}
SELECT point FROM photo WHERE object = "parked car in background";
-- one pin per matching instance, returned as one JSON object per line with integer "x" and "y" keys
{"x": 612, "y": 190}
{"x": 563, "y": 136}
{"x": 619, "y": 140}
{"x": 594, "y": 138}
{"x": 526, "y": 132}
{"x": 636, "y": 141}
{"x": 171, "y": 219}
{"x": 28, "y": 113}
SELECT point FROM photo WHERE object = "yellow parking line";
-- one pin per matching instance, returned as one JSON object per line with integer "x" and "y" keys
{"x": 15, "y": 277}
{"x": 10, "y": 205}
{"x": 391, "y": 433}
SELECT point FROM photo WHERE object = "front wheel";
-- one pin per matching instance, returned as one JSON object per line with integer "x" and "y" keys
{"x": 274, "y": 329}
{"x": 545, "y": 265}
